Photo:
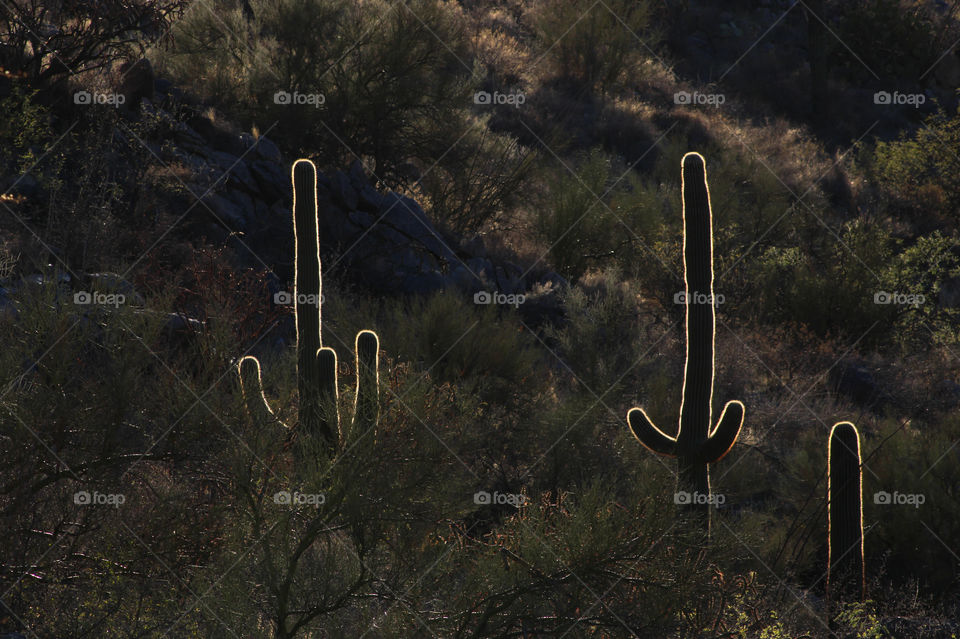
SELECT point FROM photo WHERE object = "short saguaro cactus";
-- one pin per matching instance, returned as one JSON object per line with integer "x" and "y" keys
{"x": 698, "y": 442}
{"x": 318, "y": 413}
{"x": 845, "y": 567}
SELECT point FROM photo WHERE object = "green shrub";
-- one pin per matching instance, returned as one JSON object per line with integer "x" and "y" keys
{"x": 478, "y": 348}
{"x": 391, "y": 84}
{"x": 894, "y": 38}
{"x": 595, "y": 43}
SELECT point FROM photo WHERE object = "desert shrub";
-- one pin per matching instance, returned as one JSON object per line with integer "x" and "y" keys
{"x": 81, "y": 199}
{"x": 906, "y": 460}
{"x": 479, "y": 178}
{"x": 94, "y": 404}
{"x": 574, "y": 221}
{"x": 831, "y": 289}
{"x": 923, "y": 271}
{"x": 390, "y": 84}
{"x": 595, "y": 43}
{"x": 475, "y": 347}
{"x": 920, "y": 168}
{"x": 309, "y": 567}
{"x": 599, "y": 344}
{"x": 49, "y": 41}
{"x": 894, "y": 38}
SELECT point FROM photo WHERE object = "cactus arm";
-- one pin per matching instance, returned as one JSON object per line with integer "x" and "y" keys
{"x": 251, "y": 386}
{"x": 725, "y": 433}
{"x": 366, "y": 411}
{"x": 328, "y": 420}
{"x": 649, "y": 435}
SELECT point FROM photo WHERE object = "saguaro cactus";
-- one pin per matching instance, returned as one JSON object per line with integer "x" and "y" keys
{"x": 697, "y": 444}
{"x": 316, "y": 365}
{"x": 845, "y": 569}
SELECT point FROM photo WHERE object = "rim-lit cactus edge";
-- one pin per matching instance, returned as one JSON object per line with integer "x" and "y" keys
{"x": 316, "y": 365}
{"x": 697, "y": 443}
{"x": 845, "y": 565}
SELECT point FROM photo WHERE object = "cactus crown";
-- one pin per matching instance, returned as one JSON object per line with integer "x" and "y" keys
{"x": 316, "y": 365}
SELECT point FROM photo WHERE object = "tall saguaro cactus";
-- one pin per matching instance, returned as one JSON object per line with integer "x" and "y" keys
{"x": 316, "y": 365}
{"x": 845, "y": 569}
{"x": 698, "y": 442}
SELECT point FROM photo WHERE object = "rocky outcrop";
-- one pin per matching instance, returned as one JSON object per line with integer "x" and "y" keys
{"x": 381, "y": 240}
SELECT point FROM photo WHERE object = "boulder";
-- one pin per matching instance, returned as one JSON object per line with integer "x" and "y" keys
{"x": 225, "y": 212}
{"x": 343, "y": 192}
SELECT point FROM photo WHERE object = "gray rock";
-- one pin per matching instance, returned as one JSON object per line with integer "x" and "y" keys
{"x": 481, "y": 266}
{"x": 343, "y": 192}
{"x": 405, "y": 216}
{"x": 467, "y": 281}
{"x": 189, "y": 139}
{"x": 273, "y": 182}
{"x": 369, "y": 199}
{"x": 361, "y": 219}
{"x": 855, "y": 381}
{"x": 223, "y": 159}
{"x": 240, "y": 176}
{"x": 24, "y": 185}
{"x": 244, "y": 202}
{"x": 474, "y": 246}
{"x": 225, "y": 212}
{"x": 261, "y": 212}
{"x": 358, "y": 176}
{"x": 267, "y": 150}
{"x": 279, "y": 212}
